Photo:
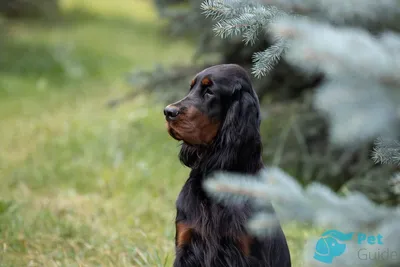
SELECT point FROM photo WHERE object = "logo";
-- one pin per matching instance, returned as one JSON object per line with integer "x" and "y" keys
{"x": 328, "y": 246}
{"x": 364, "y": 247}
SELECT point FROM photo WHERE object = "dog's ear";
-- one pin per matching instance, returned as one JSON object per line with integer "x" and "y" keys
{"x": 242, "y": 121}
{"x": 240, "y": 132}
{"x": 189, "y": 155}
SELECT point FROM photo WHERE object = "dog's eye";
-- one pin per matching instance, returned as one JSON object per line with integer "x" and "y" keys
{"x": 208, "y": 92}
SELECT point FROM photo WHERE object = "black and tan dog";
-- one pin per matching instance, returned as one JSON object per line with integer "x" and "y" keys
{"x": 219, "y": 124}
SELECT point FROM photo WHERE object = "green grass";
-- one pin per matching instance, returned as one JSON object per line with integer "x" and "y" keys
{"x": 83, "y": 185}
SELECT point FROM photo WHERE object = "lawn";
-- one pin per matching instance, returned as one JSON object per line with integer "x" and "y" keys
{"x": 82, "y": 184}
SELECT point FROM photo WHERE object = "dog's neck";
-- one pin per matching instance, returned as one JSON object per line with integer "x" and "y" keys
{"x": 246, "y": 158}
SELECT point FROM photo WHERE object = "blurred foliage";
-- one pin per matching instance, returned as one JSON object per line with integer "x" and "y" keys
{"x": 186, "y": 19}
{"x": 29, "y": 8}
{"x": 296, "y": 137}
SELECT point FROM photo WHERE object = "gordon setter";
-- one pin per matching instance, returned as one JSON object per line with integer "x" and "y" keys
{"x": 219, "y": 124}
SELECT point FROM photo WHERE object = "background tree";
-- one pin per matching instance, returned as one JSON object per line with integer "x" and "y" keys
{"x": 325, "y": 101}
{"x": 359, "y": 98}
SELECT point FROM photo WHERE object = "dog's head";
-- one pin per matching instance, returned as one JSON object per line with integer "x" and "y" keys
{"x": 220, "y": 110}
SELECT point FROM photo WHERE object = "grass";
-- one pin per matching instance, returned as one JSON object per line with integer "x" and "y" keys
{"x": 83, "y": 185}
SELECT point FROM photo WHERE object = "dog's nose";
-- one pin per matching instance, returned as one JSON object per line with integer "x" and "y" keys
{"x": 171, "y": 112}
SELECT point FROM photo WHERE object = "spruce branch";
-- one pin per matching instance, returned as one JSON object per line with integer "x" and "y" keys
{"x": 370, "y": 13}
{"x": 386, "y": 151}
{"x": 265, "y": 61}
{"x": 357, "y": 110}
{"x": 224, "y": 9}
{"x": 340, "y": 51}
{"x": 395, "y": 183}
{"x": 316, "y": 204}
{"x": 248, "y": 19}
{"x": 234, "y": 19}
{"x": 229, "y": 188}
{"x": 360, "y": 97}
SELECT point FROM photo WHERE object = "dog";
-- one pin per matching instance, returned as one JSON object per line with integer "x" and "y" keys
{"x": 218, "y": 122}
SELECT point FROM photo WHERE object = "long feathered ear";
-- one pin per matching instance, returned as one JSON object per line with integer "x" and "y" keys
{"x": 239, "y": 141}
{"x": 242, "y": 121}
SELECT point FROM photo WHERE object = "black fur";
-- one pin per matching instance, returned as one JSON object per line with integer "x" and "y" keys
{"x": 236, "y": 147}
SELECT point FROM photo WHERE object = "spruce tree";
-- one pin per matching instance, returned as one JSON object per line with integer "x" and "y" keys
{"x": 356, "y": 45}
{"x": 305, "y": 130}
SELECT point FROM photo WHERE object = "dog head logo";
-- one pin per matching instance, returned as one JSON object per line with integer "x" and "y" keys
{"x": 328, "y": 246}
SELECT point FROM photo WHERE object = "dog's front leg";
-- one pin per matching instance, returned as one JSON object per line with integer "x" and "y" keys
{"x": 183, "y": 246}
{"x": 186, "y": 258}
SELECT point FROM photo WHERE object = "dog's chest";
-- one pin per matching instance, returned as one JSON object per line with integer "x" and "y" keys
{"x": 207, "y": 217}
